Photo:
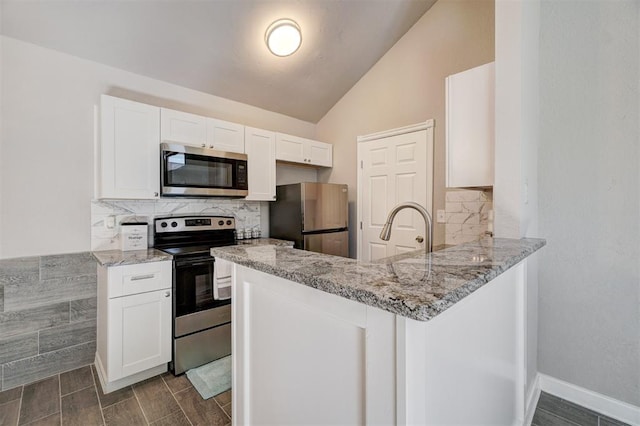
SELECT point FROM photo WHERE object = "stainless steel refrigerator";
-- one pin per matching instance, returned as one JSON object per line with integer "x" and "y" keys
{"x": 313, "y": 215}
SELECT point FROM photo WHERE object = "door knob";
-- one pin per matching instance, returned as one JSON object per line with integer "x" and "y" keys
{"x": 167, "y": 293}
{"x": 419, "y": 239}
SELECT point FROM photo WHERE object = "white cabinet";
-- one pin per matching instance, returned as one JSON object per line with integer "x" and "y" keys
{"x": 134, "y": 323}
{"x": 129, "y": 149}
{"x": 205, "y": 132}
{"x": 182, "y": 127}
{"x": 306, "y": 151}
{"x": 470, "y": 115}
{"x": 260, "y": 146}
{"x": 225, "y": 136}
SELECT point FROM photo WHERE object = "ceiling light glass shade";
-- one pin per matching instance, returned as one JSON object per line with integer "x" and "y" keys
{"x": 283, "y": 37}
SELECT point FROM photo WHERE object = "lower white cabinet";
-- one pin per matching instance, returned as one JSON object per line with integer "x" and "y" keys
{"x": 134, "y": 323}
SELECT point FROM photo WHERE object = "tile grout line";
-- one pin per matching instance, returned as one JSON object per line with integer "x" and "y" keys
{"x": 20, "y": 405}
{"x": 95, "y": 389}
{"x": 59, "y": 386}
{"x": 135, "y": 395}
{"x": 173, "y": 395}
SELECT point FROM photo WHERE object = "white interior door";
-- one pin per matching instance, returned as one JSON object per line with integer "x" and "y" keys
{"x": 395, "y": 166}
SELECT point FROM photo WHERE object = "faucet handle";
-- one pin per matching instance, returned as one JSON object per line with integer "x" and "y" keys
{"x": 420, "y": 239}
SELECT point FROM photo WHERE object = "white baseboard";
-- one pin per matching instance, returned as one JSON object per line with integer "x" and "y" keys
{"x": 592, "y": 400}
{"x": 533, "y": 395}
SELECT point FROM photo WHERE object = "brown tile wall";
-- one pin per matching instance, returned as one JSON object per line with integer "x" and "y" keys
{"x": 47, "y": 316}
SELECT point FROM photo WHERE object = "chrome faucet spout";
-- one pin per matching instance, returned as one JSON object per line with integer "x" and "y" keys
{"x": 385, "y": 234}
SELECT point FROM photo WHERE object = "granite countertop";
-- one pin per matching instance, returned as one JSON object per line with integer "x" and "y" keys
{"x": 264, "y": 242}
{"x": 416, "y": 285}
{"x": 117, "y": 257}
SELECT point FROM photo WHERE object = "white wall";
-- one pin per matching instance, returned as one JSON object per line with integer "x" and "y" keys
{"x": 405, "y": 87}
{"x": 589, "y": 314}
{"x": 46, "y": 168}
{"x": 515, "y": 191}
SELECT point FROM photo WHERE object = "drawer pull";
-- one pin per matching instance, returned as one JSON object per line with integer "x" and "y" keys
{"x": 143, "y": 277}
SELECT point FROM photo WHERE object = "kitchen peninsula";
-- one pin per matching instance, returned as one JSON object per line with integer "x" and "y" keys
{"x": 412, "y": 339}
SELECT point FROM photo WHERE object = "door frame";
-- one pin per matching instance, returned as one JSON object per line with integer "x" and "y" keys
{"x": 361, "y": 140}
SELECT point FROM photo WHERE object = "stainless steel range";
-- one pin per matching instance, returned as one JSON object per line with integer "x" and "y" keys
{"x": 201, "y": 315}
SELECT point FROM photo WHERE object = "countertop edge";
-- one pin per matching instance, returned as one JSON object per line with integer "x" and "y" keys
{"x": 397, "y": 306}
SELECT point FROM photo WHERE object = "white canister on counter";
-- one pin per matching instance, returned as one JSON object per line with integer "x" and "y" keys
{"x": 133, "y": 236}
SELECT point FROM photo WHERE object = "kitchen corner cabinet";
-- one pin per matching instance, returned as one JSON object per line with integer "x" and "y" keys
{"x": 134, "y": 323}
{"x": 205, "y": 132}
{"x": 470, "y": 112}
{"x": 295, "y": 149}
{"x": 129, "y": 149}
{"x": 260, "y": 146}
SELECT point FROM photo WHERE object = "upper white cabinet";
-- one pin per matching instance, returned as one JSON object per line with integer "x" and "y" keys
{"x": 182, "y": 127}
{"x": 129, "y": 149}
{"x": 260, "y": 146}
{"x": 470, "y": 116}
{"x": 196, "y": 130}
{"x": 306, "y": 151}
{"x": 225, "y": 136}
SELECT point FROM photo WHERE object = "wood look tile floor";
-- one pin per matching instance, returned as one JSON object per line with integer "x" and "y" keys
{"x": 75, "y": 398}
{"x": 554, "y": 411}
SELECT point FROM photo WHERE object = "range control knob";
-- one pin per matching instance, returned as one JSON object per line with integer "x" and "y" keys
{"x": 174, "y": 224}
{"x": 228, "y": 222}
{"x": 221, "y": 222}
{"x": 163, "y": 224}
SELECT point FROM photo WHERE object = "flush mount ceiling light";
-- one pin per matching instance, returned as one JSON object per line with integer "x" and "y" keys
{"x": 283, "y": 37}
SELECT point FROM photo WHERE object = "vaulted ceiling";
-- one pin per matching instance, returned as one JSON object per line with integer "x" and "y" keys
{"x": 217, "y": 46}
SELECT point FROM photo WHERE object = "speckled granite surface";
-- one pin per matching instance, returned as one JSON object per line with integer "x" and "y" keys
{"x": 415, "y": 285}
{"x": 117, "y": 257}
{"x": 264, "y": 242}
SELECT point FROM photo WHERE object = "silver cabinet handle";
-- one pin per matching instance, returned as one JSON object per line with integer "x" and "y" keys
{"x": 167, "y": 293}
{"x": 419, "y": 239}
{"x": 142, "y": 277}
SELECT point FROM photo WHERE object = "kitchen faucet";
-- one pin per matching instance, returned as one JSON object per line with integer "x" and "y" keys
{"x": 385, "y": 234}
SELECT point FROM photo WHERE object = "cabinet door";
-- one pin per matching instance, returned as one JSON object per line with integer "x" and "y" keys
{"x": 182, "y": 127}
{"x": 290, "y": 148}
{"x": 306, "y": 151}
{"x": 470, "y": 127}
{"x": 129, "y": 149}
{"x": 261, "y": 158}
{"x": 139, "y": 333}
{"x": 225, "y": 136}
{"x": 320, "y": 154}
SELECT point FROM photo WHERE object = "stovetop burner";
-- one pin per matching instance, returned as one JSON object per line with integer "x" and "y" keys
{"x": 193, "y": 235}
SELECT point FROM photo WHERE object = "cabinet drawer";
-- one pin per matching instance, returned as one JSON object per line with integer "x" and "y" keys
{"x": 140, "y": 278}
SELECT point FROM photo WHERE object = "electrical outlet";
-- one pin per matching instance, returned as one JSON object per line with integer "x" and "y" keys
{"x": 440, "y": 216}
{"x": 110, "y": 222}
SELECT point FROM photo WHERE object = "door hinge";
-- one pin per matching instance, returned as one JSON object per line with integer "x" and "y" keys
{"x": 361, "y": 164}
{"x": 360, "y": 225}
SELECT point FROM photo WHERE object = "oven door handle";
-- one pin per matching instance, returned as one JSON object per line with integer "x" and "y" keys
{"x": 187, "y": 263}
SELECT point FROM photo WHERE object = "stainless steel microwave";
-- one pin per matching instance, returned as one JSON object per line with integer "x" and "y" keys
{"x": 188, "y": 171}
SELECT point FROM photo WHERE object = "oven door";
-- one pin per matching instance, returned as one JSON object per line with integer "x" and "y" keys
{"x": 193, "y": 286}
{"x": 191, "y": 171}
